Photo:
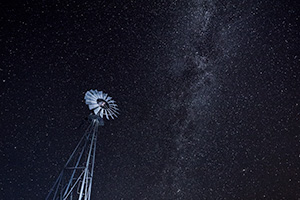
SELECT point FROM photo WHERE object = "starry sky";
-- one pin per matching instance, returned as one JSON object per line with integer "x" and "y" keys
{"x": 208, "y": 92}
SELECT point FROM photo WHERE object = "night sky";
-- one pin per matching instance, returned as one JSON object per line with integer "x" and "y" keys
{"x": 208, "y": 92}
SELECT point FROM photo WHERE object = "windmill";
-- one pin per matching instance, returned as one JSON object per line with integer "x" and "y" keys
{"x": 75, "y": 180}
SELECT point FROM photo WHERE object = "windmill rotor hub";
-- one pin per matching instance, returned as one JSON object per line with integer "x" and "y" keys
{"x": 102, "y": 103}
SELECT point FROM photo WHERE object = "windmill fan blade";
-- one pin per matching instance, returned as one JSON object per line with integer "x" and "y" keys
{"x": 88, "y": 93}
{"x": 94, "y": 92}
{"x": 96, "y": 110}
{"x": 108, "y": 98}
{"x": 106, "y": 114}
{"x": 90, "y": 96}
{"x": 101, "y": 113}
{"x": 114, "y": 107}
{"x": 110, "y": 113}
{"x": 114, "y": 114}
{"x": 104, "y": 96}
{"x": 100, "y": 95}
{"x": 92, "y": 106}
{"x": 88, "y": 102}
{"x": 115, "y": 111}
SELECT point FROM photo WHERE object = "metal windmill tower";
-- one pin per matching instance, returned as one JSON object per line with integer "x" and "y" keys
{"x": 75, "y": 180}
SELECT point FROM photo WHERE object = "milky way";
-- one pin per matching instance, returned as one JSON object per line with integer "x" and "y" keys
{"x": 218, "y": 135}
